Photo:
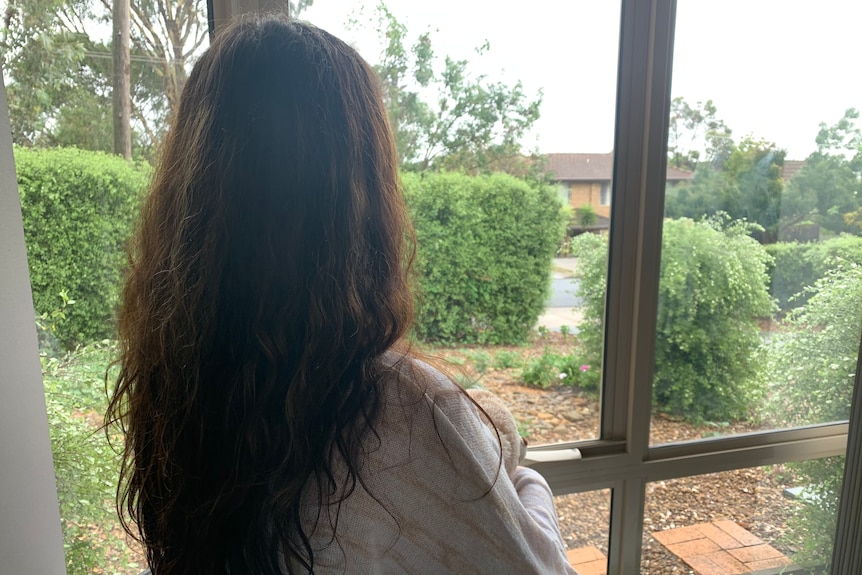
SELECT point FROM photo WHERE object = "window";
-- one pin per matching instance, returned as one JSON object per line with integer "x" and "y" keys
{"x": 630, "y": 455}
{"x": 605, "y": 197}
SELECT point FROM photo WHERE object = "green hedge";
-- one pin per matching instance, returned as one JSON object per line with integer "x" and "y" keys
{"x": 712, "y": 291}
{"x": 798, "y": 266}
{"x": 485, "y": 246}
{"x": 78, "y": 209}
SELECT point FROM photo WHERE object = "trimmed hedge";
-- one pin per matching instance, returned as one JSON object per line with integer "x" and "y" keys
{"x": 485, "y": 247}
{"x": 78, "y": 209}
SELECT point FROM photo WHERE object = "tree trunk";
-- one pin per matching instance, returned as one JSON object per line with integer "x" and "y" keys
{"x": 121, "y": 92}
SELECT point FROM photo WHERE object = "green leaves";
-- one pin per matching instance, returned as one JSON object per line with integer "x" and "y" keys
{"x": 712, "y": 290}
{"x": 78, "y": 210}
{"x": 448, "y": 119}
{"x": 485, "y": 245}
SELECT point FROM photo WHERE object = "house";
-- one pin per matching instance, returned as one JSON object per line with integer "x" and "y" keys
{"x": 585, "y": 180}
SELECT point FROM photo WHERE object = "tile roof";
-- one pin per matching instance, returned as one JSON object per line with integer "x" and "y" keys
{"x": 791, "y": 168}
{"x": 594, "y": 168}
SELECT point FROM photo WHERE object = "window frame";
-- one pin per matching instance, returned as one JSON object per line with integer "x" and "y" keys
{"x": 622, "y": 458}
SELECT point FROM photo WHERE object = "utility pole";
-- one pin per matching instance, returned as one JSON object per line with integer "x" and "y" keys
{"x": 121, "y": 93}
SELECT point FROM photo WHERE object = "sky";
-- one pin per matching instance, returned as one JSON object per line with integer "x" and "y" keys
{"x": 775, "y": 69}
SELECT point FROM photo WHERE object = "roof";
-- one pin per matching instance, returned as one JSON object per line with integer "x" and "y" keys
{"x": 594, "y": 168}
{"x": 791, "y": 168}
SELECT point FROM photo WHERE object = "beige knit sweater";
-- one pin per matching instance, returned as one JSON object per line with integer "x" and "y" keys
{"x": 432, "y": 499}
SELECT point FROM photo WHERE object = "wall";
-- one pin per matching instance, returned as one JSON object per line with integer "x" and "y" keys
{"x": 30, "y": 536}
{"x": 584, "y": 193}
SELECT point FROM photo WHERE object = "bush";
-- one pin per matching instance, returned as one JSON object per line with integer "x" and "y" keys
{"x": 712, "y": 291}
{"x": 811, "y": 375}
{"x": 799, "y": 265}
{"x": 78, "y": 209}
{"x": 85, "y": 466}
{"x": 790, "y": 272}
{"x": 485, "y": 246}
{"x": 551, "y": 369}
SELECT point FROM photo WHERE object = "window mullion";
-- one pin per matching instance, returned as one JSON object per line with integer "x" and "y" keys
{"x": 640, "y": 159}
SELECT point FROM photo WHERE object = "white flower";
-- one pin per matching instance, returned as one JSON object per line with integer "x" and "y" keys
{"x": 564, "y": 375}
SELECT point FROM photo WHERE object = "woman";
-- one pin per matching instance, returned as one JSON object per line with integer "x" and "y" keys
{"x": 274, "y": 423}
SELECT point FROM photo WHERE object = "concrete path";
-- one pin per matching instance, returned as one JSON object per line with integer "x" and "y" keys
{"x": 563, "y": 307}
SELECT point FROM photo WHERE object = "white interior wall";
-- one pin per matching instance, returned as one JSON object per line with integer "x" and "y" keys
{"x": 31, "y": 541}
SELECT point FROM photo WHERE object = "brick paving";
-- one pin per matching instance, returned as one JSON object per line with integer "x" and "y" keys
{"x": 720, "y": 548}
{"x": 588, "y": 561}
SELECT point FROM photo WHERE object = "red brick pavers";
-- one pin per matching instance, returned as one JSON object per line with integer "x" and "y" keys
{"x": 588, "y": 561}
{"x": 720, "y": 548}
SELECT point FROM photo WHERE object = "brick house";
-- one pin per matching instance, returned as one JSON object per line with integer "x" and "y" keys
{"x": 585, "y": 179}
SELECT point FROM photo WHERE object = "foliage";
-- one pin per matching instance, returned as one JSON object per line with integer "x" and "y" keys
{"x": 60, "y": 75}
{"x": 712, "y": 290}
{"x": 827, "y": 189}
{"x": 697, "y": 135}
{"x": 485, "y": 245}
{"x": 481, "y": 361}
{"x": 449, "y": 119}
{"x": 551, "y": 369}
{"x": 78, "y": 209}
{"x": 798, "y": 265}
{"x": 506, "y": 360}
{"x": 592, "y": 253}
{"x": 586, "y": 216}
{"x": 747, "y": 185}
{"x": 811, "y": 375}
{"x": 85, "y": 466}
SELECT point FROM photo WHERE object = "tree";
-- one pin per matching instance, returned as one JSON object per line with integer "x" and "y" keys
{"x": 448, "y": 119}
{"x": 827, "y": 189}
{"x": 59, "y": 79}
{"x": 696, "y": 134}
{"x": 745, "y": 184}
{"x": 43, "y": 46}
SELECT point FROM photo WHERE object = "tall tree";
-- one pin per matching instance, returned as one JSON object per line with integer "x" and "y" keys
{"x": 448, "y": 118}
{"x": 121, "y": 76}
{"x": 696, "y": 134}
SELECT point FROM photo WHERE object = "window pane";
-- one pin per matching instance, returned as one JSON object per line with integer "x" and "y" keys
{"x": 744, "y": 520}
{"x": 760, "y": 297}
{"x": 584, "y": 519}
{"x": 487, "y": 302}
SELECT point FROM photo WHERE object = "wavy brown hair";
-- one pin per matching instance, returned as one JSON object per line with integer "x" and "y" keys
{"x": 267, "y": 277}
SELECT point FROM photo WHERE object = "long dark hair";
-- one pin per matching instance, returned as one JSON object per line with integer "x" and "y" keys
{"x": 268, "y": 275}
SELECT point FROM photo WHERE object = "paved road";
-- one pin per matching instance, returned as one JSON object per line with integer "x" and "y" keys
{"x": 563, "y": 293}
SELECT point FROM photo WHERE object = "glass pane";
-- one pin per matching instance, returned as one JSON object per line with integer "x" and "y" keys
{"x": 584, "y": 519}
{"x": 760, "y": 297}
{"x": 744, "y": 521}
{"x": 482, "y": 287}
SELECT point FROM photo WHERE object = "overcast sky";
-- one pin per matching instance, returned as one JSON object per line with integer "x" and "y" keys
{"x": 775, "y": 69}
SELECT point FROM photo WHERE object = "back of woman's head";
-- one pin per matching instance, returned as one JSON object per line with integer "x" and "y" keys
{"x": 266, "y": 279}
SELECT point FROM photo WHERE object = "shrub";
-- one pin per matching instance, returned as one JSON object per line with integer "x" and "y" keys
{"x": 790, "y": 272}
{"x": 85, "y": 466}
{"x": 798, "y": 265}
{"x": 711, "y": 293}
{"x": 78, "y": 209}
{"x": 811, "y": 374}
{"x": 506, "y": 359}
{"x": 551, "y": 369}
{"x": 485, "y": 246}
